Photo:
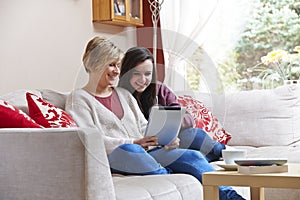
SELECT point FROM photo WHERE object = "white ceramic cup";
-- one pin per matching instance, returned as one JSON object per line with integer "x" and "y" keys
{"x": 230, "y": 155}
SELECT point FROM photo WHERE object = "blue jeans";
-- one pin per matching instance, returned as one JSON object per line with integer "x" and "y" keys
{"x": 197, "y": 139}
{"x": 132, "y": 159}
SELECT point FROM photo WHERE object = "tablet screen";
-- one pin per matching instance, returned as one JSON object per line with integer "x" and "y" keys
{"x": 165, "y": 123}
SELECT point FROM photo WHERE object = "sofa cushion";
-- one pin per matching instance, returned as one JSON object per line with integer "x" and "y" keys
{"x": 257, "y": 117}
{"x": 291, "y": 153}
{"x": 263, "y": 117}
{"x": 12, "y": 117}
{"x": 204, "y": 119}
{"x": 18, "y": 98}
{"x": 47, "y": 114}
{"x": 56, "y": 98}
{"x": 158, "y": 187}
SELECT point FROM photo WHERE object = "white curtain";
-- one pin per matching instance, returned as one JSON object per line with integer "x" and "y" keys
{"x": 212, "y": 25}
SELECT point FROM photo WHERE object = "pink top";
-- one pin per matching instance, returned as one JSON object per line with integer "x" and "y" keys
{"x": 112, "y": 103}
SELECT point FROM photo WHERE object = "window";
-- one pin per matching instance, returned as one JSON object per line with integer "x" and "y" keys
{"x": 217, "y": 44}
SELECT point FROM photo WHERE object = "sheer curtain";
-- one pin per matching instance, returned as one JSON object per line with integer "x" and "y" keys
{"x": 202, "y": 31}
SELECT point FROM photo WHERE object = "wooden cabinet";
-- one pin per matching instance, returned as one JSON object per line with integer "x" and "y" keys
{"x": 118, "y": 12}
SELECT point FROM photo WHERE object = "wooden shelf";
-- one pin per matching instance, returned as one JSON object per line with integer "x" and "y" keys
{"x": 118, "y": 12}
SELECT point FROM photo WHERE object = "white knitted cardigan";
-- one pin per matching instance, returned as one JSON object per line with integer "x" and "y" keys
{"x": 88, "y": 112}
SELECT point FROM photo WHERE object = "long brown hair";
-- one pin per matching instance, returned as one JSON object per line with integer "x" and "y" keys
{"x": 132, "y": 58}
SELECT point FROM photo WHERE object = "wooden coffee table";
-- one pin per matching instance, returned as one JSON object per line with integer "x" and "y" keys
{"x": 256, "y": 182}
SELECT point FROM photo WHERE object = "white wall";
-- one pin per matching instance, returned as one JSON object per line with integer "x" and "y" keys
{"x": 42, "y": 42}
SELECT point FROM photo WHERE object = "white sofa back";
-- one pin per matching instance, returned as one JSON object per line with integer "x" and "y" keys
{"x": 254, "y": 118}
{"x": 257, "y": 117}
{"x": 18, "y": 98}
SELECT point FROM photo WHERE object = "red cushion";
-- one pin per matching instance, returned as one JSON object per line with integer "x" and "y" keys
{"x": 12, "y": 117}
{"x": 204, "y": 119}
{"x": 47, "y": 114}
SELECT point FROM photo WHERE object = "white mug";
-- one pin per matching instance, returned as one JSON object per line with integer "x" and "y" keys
{"x": 230, "y": 155}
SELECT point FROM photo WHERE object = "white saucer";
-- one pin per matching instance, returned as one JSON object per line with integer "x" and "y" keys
{"x": 229, "y": 167}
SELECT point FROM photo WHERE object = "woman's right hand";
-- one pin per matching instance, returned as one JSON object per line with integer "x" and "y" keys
{"x": 147, "y": 141}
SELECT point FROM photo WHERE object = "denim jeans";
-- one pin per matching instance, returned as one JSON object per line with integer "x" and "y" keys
{"x": 132, "y": 159}
{"x": 197, "y": 139}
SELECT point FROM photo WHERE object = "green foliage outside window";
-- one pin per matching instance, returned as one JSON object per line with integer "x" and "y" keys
{"x": 275, "y": 25}
{"x": 193, "y": 77}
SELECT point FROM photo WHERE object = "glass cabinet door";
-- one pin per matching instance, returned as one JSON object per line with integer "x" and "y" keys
{"x": 135, "y": 9}
{"x": 135, "y": 12}
{"x": 120, "y": 7}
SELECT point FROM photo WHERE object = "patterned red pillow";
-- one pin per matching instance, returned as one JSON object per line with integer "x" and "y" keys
{"x": 47, "y": 114}
{"x": 204, "y": 119}
{"x": 12, "y": 117}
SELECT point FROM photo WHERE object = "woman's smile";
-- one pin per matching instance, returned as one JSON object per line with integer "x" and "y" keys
{"x": 142, "y": 75}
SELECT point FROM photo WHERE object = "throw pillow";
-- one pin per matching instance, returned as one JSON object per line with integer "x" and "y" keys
{"x": 47, "y": 114}
{"x": 204, "y": 119}
{"x": 12, "y": 117}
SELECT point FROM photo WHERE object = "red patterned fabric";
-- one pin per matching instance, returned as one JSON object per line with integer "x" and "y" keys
{"x": 204, "y": 119}
{"x": 12, "y": 117}
{"x": 47, "y": 114}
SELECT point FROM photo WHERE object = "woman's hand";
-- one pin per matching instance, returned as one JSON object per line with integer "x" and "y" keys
{"x": 173, "y": 145}
{"x": 147, "y": 141}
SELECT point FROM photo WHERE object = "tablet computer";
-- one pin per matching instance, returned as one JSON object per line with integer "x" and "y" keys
{"x": 165, "y": 123}
{"x": 261, "y": 161}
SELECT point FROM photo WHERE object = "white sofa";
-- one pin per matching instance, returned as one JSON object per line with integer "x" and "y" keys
{"x": 72, "y": 164}
{"x": 266, "y": 123}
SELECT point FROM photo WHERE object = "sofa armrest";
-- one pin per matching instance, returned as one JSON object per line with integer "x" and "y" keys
{"x": 54, "y": 164}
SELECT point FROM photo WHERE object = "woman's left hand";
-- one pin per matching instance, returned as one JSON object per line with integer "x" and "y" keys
{"x": 173, "y": 145}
